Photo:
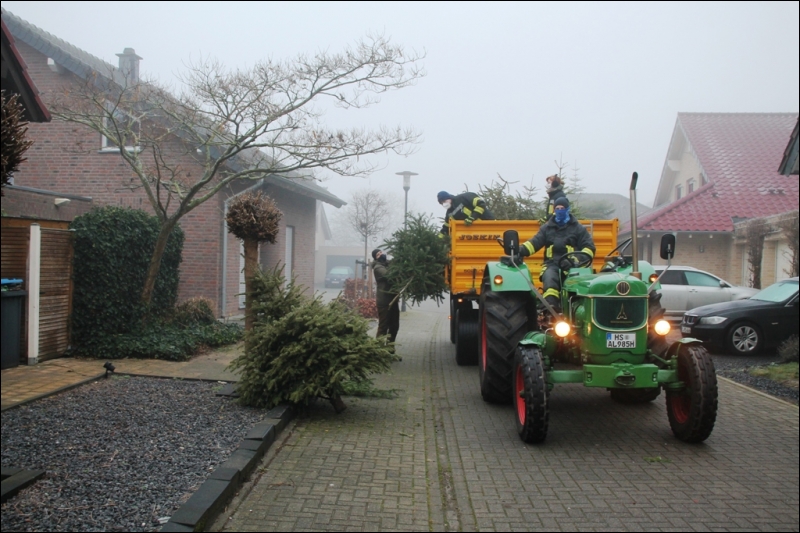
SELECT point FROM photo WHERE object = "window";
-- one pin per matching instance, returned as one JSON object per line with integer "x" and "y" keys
{"x": 690, "y": 186}
{"x": 678, "y": 192}
{"x": 128, "y": 131}
{"x": 700, "y": 279}
{"x": 673, "y": 277}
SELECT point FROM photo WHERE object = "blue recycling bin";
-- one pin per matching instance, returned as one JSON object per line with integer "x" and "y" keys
{"x": 11, "y": 318}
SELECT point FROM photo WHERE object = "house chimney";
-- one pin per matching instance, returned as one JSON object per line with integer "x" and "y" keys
{"x": 129, "y": 65}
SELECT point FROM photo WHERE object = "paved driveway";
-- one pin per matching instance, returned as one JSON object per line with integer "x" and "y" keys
{"x": 438, "y": 458}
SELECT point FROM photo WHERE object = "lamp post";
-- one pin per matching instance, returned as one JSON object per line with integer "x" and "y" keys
{"x": 406, "y": 185}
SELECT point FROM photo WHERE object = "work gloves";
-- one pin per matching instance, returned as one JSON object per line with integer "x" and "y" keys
{"x": 468, "y": 221}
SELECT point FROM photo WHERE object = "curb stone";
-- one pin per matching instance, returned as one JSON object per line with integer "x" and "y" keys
{"x": 215, "y": 493}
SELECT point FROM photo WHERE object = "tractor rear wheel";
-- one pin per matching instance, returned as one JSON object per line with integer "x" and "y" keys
{"x": 530, "y": 395}
{"x": 503, "y": 323}
{"x": 453, "y": 330}
{"x": 692, "y": 411}
{"x": 467, "y": 337}
{"x": 631, "y": 396}
{"x": 655, "y": 311}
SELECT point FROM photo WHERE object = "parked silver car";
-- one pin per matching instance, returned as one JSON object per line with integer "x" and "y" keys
{"x": 685, "y": 287}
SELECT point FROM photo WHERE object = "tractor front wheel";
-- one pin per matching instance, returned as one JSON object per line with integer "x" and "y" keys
{"x": 503, "y": 323}
{"x": 692, "y": 411}
{"x": 530, "y": 395}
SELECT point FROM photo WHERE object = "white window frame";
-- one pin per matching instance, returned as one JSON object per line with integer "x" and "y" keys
{"x": 107, "y": 146}
{"x": 690, "y": 186}
{"x": 678, "y": 192}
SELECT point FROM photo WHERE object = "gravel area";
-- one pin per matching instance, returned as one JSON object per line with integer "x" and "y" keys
{"x": 120, "y": 454}
{"x": 736, "y": 367}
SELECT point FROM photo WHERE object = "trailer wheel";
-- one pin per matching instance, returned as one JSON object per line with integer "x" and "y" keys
{"x": 692, "y": 411}
{"x": 655, "y": 311}
{"x": 631, "y": 396}
{"x": 503, "y": 323}
{"x": 530, "y": 395}
{"x": 467, "y": 337}
{"x": 453, "y": 321}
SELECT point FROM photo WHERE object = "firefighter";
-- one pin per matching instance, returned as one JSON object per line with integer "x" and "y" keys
{"x": 560, "y": 235}
{"x": 467, "y": 207}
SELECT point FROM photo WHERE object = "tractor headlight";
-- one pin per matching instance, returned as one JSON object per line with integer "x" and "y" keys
{"x": 662, "y": 327}
{"x": 562, "y": 329}
{"x": 713, "y": 320}
{"x": 498, "y": 280}
{"x": 653, "y": 277}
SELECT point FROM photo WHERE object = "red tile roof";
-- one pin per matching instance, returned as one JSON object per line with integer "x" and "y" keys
{"x": 740, "y": 154}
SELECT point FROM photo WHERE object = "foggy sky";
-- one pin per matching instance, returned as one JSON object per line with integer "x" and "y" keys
{"x": 510, "y": 87}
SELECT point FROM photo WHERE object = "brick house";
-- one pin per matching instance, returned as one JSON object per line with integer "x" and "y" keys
{"x": 212, "y": 260}
{"x": 720, "y": 169}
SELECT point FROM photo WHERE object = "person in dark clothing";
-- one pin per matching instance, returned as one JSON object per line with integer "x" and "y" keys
{"x": 555, "y": 190}
{"x": 561, "y": 234}
{"x": 387, "y": 301}
{"x": 467, "y": 206}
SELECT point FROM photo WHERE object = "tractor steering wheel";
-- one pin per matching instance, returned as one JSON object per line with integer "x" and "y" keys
{"x": 574, "y": 260}
{"x": 621, "y": 247}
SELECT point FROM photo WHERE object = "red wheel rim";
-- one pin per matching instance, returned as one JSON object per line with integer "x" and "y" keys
{"x": 519, "y": 389}
{"x": 681, "y": 406}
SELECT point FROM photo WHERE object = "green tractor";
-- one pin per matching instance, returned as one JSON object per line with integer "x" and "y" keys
{"x": 611, "y": 334}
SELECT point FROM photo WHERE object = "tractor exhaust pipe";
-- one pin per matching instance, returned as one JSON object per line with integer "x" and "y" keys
{"x": 634, "y": 228}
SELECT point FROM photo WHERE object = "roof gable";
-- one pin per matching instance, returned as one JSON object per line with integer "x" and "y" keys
{"x": 739, "y": 153}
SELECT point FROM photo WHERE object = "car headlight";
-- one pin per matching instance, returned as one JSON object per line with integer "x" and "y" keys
{"x": 713, "y": 320}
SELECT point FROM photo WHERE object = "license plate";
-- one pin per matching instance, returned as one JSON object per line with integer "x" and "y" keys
{"x": 686, "y": 329}
{"x": 620, "y": 340}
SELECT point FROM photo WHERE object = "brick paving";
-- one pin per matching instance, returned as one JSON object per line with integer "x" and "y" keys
{"x": 438, "y": 458}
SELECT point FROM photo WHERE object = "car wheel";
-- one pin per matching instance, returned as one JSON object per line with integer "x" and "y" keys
{"x": 744, "y": 338}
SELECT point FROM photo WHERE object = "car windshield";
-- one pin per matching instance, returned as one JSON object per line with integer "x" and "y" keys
{"x": 340, "y": 270}
{"x": 777, "y": 292}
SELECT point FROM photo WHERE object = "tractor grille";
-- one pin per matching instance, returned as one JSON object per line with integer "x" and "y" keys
{"x": 620, "y": 313}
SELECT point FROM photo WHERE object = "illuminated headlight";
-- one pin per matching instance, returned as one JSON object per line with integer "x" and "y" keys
{"x": 562, "y": 329}
{"x": 498, "y": 280}
{"x": 662, "y": 327}
{"x": 713, "y": 320}
{"x": 653, "y": 278}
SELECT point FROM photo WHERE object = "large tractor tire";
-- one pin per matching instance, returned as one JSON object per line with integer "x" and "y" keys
{"x": 655, "y": 312}
{"x": 631, "y": 396}
{"x": 692, "y": 411}
{"x": 503, "y": 322}
{"x": 467, "y": 337}
{"x": 530, "y": 395}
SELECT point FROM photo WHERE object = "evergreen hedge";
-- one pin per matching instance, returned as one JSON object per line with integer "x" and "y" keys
{"x": 112, "y": 250}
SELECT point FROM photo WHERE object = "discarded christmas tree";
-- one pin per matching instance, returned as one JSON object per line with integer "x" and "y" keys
{"x": 419, "y": 258}
{"x": 301, "y": 348}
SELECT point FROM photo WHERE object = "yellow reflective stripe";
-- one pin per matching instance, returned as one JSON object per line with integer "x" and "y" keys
{"x": 588, "y": 251}
{"x": 528, "y": 246}
{"x": 466, "y": 211}
{"x": 551, "y": 292}
{"x": 479, "y": 210}
{"x": 570, "y": 249}
{"x": 549, "y": 251}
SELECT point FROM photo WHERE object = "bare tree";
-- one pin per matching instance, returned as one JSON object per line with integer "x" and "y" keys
{"x": 242, "y": 124}
{"x": 755, "y": 232}
{"x": 789, "y": 225}
{"x": 367, "y": 214}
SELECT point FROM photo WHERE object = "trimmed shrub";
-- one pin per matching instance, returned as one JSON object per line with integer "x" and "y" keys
{"x": 197, "y": 310}
{"x": 113, "y": 246}
{"x": 789, "y": 350}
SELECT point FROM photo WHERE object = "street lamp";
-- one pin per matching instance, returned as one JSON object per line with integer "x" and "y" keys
{"x": 406, "y": 185}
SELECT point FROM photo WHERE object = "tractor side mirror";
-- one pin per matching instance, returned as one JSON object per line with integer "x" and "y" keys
{"x": 667, "y": 246}
{"x": 510, "y": 242}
